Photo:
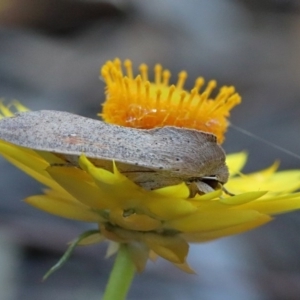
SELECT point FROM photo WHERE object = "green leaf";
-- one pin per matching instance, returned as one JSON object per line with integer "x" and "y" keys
{"x": 69, "y": 252}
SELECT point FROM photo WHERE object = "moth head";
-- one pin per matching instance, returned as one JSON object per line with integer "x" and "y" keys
{"x": 221, "y": 174}
{"x": 211, "y": 182}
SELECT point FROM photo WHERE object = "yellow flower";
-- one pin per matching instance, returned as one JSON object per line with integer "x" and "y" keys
{"x": 137, "y": 102}
{"x": 161, "y": 222}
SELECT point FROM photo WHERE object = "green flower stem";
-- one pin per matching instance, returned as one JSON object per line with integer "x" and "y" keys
{"x": 120, "y": 277}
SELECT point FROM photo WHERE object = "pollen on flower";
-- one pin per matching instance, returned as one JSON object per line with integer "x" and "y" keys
{"x": 135, "y": 101}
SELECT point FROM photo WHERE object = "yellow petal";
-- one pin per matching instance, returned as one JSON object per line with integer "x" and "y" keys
{"x": 92, "y": 239}
{"x": 50, "y": 158}
{"x": 19, "y": 106}
{"x": 262, "y": 175}
{"x": 242, "y": 198}
{"x": 208, "y": 196}
{"x": 101, "y": 175}
{"x": 119, "y": 190}
{"x": 168, "y": 208}
{"x": 275, "y": 205}
{"x": 178, "y": 191}
{"x": 5, "y": 111}
{"x": 153, "y": 256}
{"x": 279, "y": 182}
{"x": 80, "y": 185}
{"x": 116, "y": 235}
{"x": 112, "y": 249}
{"x": 200, "y": 237}
{"x": 139, "y": 253}
{"x": 236, "y": 162}
{"x": 185, "y": 268}
{"x": 172, "y": 248}
{"x": 212, "y": 220}
{"x": 29, "y": 162}
{"x": 283, "y": 181}
{"x": 139, "y": 222}
{"x": 125, "y": 194}
{"x": 63, "y": 208}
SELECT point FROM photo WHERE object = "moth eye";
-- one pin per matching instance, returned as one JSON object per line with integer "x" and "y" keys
{"x": 177, "y": 159}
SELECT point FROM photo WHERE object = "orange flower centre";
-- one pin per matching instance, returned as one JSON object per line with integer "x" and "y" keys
{"x": 137, "y": 102}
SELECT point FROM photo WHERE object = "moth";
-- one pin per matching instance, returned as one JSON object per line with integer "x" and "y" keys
{"x": 151, "y": 158}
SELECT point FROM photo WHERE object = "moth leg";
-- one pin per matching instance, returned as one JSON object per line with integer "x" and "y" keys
{"x": 200, "y": 187}
{"x": 215, "y": 184}
{"x": 193, "y": 189}
{"x": 226, "y": 191}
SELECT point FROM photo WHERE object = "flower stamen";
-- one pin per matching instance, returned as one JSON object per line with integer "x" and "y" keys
{"x": 144, "y": 72}
{"x": 166, "y": 77}
{"x": 137, "y": 102}
{"x": 157, "y": 72}
{"x": 182, "y": 76}
{"x": 199, "y": 83}
{"x": 128, "y": 67}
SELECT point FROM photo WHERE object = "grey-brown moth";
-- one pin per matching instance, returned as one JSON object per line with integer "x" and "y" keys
{"x": 151, "y": 158}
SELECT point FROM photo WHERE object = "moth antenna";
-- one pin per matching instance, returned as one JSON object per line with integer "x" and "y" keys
{"x": 256, "y": 137}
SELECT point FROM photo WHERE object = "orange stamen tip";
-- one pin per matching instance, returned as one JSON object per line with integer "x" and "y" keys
{"x": 182, "y": 95}
{"x": 157, "y": 67}
{"x": 144, "y": 71}
{"x": 117, "y": 62}
{"x": 143, "y": 67}
{"x": 212, "y": 83}
{"x": 157, "y": 103}
{"x": 194, "y": 91}
{"x": 181, "y": 79}
{"x": 127, "y": 63}
{"x": 172, "y": 88}
{"x": 104, "y": 72}
{"x": 166, "y": 77}
{"x": 199, "y": 81}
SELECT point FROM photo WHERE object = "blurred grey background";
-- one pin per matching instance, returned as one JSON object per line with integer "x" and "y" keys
{"x": 50, "y": 55}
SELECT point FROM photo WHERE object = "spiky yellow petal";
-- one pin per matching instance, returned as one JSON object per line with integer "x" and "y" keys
{"x": 64, "y": 208}
{"x": 172, "y": 248}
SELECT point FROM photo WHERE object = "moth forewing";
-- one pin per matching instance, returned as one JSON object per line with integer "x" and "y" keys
{"x": 152, "y": 158}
